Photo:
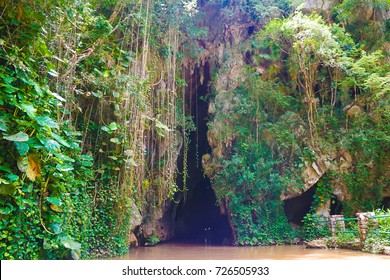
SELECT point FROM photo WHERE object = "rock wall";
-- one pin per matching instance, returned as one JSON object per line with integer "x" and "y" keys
{"x": 224, "y": 53}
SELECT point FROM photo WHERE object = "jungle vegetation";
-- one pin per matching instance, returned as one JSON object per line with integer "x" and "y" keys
{"x": 93, "y": 116}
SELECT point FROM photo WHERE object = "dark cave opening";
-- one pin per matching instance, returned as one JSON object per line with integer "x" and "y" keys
{"x": 336, "y": 206}
{"x": 296, "y": 208}
{"x": 386, "y": 203}
{"x": 198, "y": 218}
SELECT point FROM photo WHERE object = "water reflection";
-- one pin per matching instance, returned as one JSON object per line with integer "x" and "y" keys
{"x": 181, "y": 251}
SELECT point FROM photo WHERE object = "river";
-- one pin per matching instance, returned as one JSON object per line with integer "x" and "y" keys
{"x": 183, "y": 251}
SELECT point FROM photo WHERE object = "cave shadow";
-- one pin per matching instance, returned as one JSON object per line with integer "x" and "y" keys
{"x": 296, "y": 208}
{"x": 198, "y": 218}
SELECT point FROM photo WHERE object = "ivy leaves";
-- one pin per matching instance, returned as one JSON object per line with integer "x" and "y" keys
{"x": 18, "y": 137}
{"x": 38, "y": 187}
{"x": 46, "y": 121}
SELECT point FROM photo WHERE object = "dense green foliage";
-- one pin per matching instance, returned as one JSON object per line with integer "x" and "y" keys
{"x": 89, "y": 121}
{"x": 253, "y": 177}
{"x": 365, "y": 21}
{"x": 378, "y": 234}
{"x": 45, "y": 209}
{"x": 93, "y": 117}
{"x": 320, "y": 94}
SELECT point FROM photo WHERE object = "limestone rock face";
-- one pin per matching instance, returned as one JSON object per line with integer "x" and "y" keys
{"x": 136, "y": 220}
{"x": 225, "y": 50}
{"x": 133, "y": 241}
{"x": 136, "y": 217}
{"x": 323, "y": 210}
{"x": 162, "y": 224}
{"x": 165, "y": 228}
{"x": 353, "y": 110}
{"x": 345, "y": 159}
{"x": 386, "y": 192}
{"x": 317, "y": 244}
{"x": 311, "y": 175}
{"x": 319, "y": 4}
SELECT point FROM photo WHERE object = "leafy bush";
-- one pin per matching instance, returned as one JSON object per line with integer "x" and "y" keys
{"x": 379, "y": 235}
{"x": 81, "y": 126}
{"x": 313, "y": 229}
{"x": 44, "y": 205}
{"x": 251, "y": 180}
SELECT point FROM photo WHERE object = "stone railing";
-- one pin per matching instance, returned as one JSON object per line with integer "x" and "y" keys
{"x": 365, "y": 221}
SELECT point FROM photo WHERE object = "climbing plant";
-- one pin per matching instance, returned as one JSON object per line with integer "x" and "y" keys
{"x": 316, "y": 93}
{"x": 93, "y": 117}
{"x": 45, "y": 209}
{"x": 365, "y": 21}
{"x": 252, "y": 179}
{"x": 89, "y": 122}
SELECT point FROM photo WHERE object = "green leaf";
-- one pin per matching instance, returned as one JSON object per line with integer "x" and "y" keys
{"x": 22, "y": 164}
{"x": 106, "y": 129}
{"x": 70, "y": 243}
{"x": 87, "y": 163}
{"x": 28, "y": 108}
{"x": 9, "y": 88}
{"x": 113, "y": 126}
{"x": 18, "y": 137}
{"x": 54, "y": 200}
{"x": 60, "y": 140}
{"x": 56, "y": 95}
{"x": 56, "y": 219}
{"x": 7, "y": 189}
{"x": 46, "y": 245}
{"x": 22, "y": 148}
{"x": 34, "y": 143}
{"x": 53, "y": 73}
{"x": 3, "y": 124}
{"x": 38, "y": 89}
{"x": 64, "y": 167}
{"x": 86, "y": 157}
{"x": 115, "y": 140}
{"x": 13, "y": 177}
{"x": 46, "y": 121}
{"x": 8, "y": 80}
{"x": 56, "y": 228}
{"x": 74, "y": 255}
{"x": 52, "y": 145}
{"x": 5, "y": 211}
{"x": 62, "y": 158}
{"x": 86, "y": 160}
{"x": 6, "y": 169}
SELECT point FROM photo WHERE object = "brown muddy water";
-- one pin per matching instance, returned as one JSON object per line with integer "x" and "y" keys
{"x": 182, "y": 251}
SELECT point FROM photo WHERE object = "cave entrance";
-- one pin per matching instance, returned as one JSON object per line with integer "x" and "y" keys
{"x": 386, "y": 203}
{"x": 198, "y": 218}
{"x": 336, "y": 206}
{"x": 296, "y": 208}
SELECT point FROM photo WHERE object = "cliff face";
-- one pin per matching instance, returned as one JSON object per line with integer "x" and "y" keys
{"x": 228, "y": 50}
{"x": 232, "y": 51}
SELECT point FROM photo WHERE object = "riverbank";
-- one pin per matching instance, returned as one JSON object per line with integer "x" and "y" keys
{"x": 334, "y": 243}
